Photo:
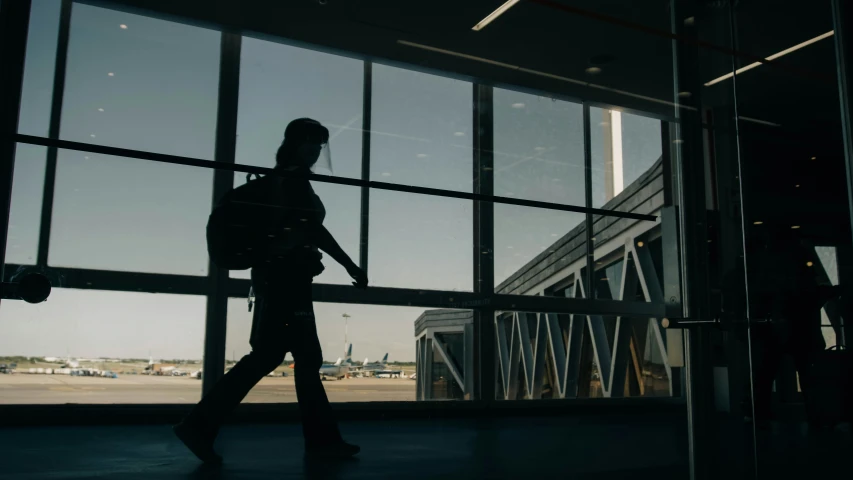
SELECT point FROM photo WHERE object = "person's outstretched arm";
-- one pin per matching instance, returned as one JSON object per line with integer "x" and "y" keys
{"x": 327, "y": 243}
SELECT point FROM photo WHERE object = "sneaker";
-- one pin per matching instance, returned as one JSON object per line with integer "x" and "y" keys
{"x": 340, "y": 450}
{"x": 200, "y": 444}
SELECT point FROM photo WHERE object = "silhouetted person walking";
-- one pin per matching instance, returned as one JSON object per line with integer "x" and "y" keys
{"x": 274, "y": 226}
{"x": 786, "y": 291}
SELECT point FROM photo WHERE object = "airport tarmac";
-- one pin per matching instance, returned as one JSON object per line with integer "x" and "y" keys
{"x": 144, "y": 389}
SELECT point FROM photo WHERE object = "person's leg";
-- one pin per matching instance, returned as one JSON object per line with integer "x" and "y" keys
{"x": 766, "y": 357}
{"x": 200, "y": 427}
{"x": 319, "y": 426}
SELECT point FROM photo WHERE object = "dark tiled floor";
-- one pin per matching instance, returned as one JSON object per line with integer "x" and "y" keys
{"x": 603, "y": 447}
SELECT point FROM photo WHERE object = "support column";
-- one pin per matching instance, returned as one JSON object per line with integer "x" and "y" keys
{"x": 843, "y": 26}
{"x": 223, "y": 181}
{"x": 484, "y": 272}
{"x": 687, "y": 154}
{"x": 14, "y": 22}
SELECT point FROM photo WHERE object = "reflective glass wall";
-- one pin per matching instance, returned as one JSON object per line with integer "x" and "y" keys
{"x": 436, "y": 181}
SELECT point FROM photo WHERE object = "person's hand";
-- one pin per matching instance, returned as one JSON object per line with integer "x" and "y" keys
{"x": 358, "y": 275}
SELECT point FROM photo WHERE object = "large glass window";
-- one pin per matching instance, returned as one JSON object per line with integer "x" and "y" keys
{"x": 25, "y": 213}
{"x": 280, "y": 83}
{"x": 114, "y": 213}
{"x": 141, "y": 83}
{"x": 379, "y": 369}
{"x": 89, "y": 346}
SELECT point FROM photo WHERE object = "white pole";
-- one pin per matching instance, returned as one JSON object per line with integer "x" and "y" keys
{"x": 346, "y": 331}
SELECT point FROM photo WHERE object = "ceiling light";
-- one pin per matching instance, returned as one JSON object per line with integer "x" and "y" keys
{"x": 509, "y": 247}
{"x": 492, "y": 16}
{"x": 684, "y": 94}
{"x": 795, "y": 227}
{"x": 422, "y": 155}
{"x": 593, "y": 70}
{"x": 678, "y": 141}
{"x": 809, "y": 263}
{"x": 459, "y": 134}
{"x": 518, "y": 105}
{"x": 640, "y": 244}
{"x": 797, "y": 186}
{"x": 553, "y": 234}
{"x": 689, "y": 21}
{"x": 386, "y": 174}
{"x": 771, "y": 57}
{"x": 100, "y": 109}
{"x": 814, "y": 158}
{"x": 603, "y": 279}
{"x": 757, "y": 222}
{"x": 540, "y": 149}
{"x": 86, "y": 158}
{"x": 111, "y": 74}
{"x": 123, "y": 26}
{"x": 92, "y": 135}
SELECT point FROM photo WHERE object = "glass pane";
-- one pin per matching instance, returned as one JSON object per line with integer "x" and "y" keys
{"x": 114, "y": 213}
{"x": 279, "y": 83}
{"x": 538, "y": 148}
{"x": 141, "y": 83}
{"x": 25, "y": 212}
{"x": 421, "y": 130}
{"x": 419, "y": 241}
{"x": 383, "y": 346}
{"x": 535, "y": 248}
{"x": 626, "y": 149}
{"x": 67, "y": 349}
{"x": 37, "y": 92}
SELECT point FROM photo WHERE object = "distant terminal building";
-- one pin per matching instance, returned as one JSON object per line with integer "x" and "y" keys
{"x": 444, "y": 359}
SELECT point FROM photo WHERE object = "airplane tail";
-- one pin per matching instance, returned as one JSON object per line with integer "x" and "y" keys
{"x": 349, "y": 354}
{"x": 385, "y": 359}
{"x": 338, "y": 362}
{"x": 365, "y": 361}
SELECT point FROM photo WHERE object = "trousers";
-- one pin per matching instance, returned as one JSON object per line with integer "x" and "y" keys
{"x": 283, "y": 322}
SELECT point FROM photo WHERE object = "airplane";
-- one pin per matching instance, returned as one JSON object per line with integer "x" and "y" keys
{"x": 70, "y": 363}
{"x": 339, "y": 369}
{"x": 390, "y": 373}
{"x": 367, "y": 368}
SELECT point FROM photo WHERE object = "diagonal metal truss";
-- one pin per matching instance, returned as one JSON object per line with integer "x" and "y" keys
{"x": 534, "y": 340}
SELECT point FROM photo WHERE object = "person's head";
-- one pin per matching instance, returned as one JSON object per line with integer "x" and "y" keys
{"x": 304, "y": 140}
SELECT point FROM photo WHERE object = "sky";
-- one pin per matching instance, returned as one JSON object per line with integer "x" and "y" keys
{"x": 153, "y": 86}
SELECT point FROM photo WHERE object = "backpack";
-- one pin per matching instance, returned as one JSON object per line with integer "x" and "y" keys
{"x": 235, "y": 228}
{"x": 241, "y": 226}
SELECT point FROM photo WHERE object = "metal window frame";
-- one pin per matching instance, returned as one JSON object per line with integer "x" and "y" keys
{"x": 218, "y": 287}
{"x": 216, "y": 313}
{"x": 53, "y": 131}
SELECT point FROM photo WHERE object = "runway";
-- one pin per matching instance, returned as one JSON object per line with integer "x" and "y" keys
{"x": 144, "y": 389}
